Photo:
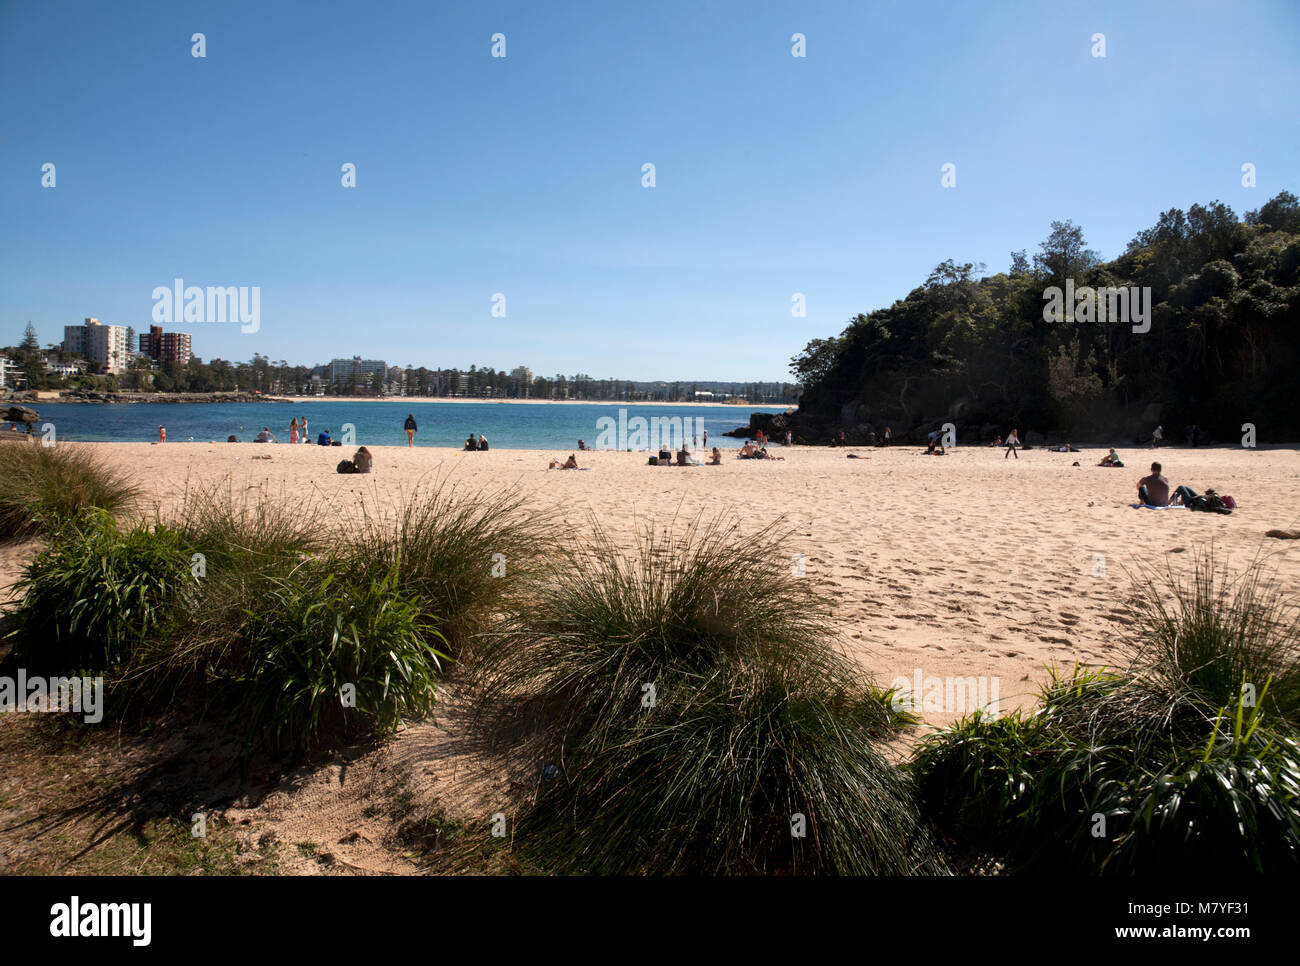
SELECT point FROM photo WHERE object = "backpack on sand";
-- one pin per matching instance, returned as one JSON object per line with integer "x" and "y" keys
{"x": 347, "y": 466}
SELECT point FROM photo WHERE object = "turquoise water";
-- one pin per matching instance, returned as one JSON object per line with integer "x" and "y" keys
{"x": 506, "y": 425}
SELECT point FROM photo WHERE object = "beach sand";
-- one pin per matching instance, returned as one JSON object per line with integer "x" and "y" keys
{"x": 966, "y": 564}
{"x": 956, "y": 566}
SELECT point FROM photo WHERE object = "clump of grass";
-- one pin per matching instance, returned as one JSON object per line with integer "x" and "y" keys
{"x": 328, "y": 660}
{"x": 1184, "y": 759}
{"x": 696, "y": 719}
{"x": 301, "y": 641}
{"x": 239, "y": 535}
{"x": 1213, "y": 632}
{"x": 43, "y": 486}
{"x": 97, "y": 592}
{"x": 463, "y": 556}
{"x": 241, "y": 550}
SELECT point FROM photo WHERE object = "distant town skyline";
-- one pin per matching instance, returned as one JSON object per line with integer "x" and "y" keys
{"x": 620, "y": 189}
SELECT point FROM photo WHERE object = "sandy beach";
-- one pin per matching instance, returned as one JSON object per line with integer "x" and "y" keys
{"x": 968, "y": 564}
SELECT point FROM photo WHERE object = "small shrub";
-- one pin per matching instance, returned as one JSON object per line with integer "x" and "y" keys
{"x": 307, "y": 639}
{"x": 1184, "y": 760}
{"x": 96, "y": 592}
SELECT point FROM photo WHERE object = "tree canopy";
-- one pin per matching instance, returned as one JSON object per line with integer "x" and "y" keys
{"x": 977, "y": 350}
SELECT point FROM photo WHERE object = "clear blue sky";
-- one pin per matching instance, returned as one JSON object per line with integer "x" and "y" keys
{"x": 522, "y": 175}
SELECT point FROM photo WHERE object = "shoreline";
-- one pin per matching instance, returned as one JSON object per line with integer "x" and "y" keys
{"x": 125, "y": 399}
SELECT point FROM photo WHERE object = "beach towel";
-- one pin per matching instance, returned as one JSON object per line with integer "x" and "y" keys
{"x": 1148, "y": 506}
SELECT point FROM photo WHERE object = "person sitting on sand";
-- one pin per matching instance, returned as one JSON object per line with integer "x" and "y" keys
{"x": 324, "y": 439}
{"x": 749, "y": 451}
{"x": 470, "y": 444}
{"x": 571, "y": 463}
{"x": 363, "y": 460}
{"x": 482, "y": 442}
{"x": 582, "y": 444}
{"x": 716, "y": 458}
{"x": 684, "y": 457}
{"x": 265, "y": 436}
{"x": 1153, "y": 490}
{"x": 1110, "y": 459}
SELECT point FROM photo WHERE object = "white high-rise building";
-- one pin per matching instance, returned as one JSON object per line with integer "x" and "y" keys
{"x": 102, "y": 345}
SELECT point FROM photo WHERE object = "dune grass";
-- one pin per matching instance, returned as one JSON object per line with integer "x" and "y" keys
{"x": 1183, "y": 759}
{"x": 249, "y": 608}
{"x": 43, "y": 486}
{"x": 462, "y": 555}
{"x": 694, "y": 718}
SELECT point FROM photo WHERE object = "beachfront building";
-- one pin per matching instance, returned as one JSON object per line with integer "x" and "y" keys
{"x": 103, "y": 345}
{"x": 396, "y": 381}
{"x": 10, "y": 373}
{"x": 63, "y": 370}
{"x": 356, "y": 374}
{"x": 166, "y": 347}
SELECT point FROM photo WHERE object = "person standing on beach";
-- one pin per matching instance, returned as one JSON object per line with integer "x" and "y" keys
{"x": 1157, "y": 436}
{"x": 1013, "y": 442}
{"x": 162, "y": 434}
{"x": 409, "y": 426}
{"x": 293, "y": 430}
{"x": 305, "y": 437}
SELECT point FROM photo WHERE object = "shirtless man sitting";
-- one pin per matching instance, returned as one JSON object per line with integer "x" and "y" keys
{"x": 1153, "y": 490}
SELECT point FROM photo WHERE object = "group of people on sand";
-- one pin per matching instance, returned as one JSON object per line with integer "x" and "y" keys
{"x": 1154, "y": 491}
{"x": 298, "y": 431}
{"x": 750, "y": 451}
{"x": 471, "y": 444}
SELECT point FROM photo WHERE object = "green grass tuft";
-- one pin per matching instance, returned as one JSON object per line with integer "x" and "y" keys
{"x": 42, "y": 487}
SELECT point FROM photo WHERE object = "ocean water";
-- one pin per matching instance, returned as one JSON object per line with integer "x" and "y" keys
{"x": 375, "y": 423}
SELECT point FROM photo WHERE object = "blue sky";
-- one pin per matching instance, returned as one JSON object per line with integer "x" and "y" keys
{"x": 522, "y": 175}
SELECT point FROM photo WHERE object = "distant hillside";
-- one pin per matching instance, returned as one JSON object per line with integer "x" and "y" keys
{"x": 1222, "y": 348}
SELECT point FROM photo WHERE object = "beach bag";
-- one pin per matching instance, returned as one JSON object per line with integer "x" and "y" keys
{"x": 1230, "y": 503}
{"x": 347, "y": 466}
{"x": 654, "y": 461}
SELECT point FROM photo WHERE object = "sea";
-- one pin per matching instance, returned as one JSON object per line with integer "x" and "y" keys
{"x": 379, "y": 422}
